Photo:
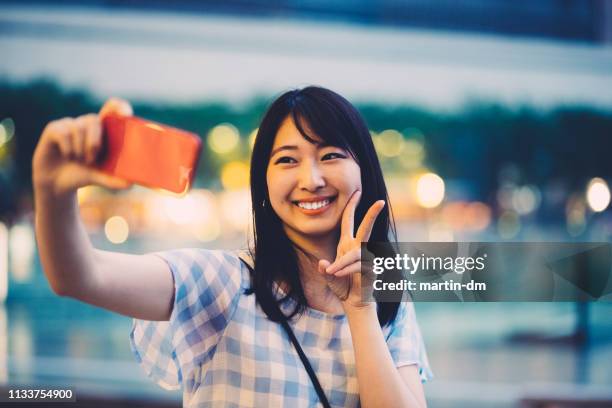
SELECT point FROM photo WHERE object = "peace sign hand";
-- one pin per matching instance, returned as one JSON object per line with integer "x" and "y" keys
{"x": 344, "y": 274}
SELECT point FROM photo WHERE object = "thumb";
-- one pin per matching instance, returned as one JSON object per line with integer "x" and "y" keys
{"x": 105, "y": 180}
{"x": 116, "y": 106}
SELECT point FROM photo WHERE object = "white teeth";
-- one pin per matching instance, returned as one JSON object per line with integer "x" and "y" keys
{"x": 313, "y": 205}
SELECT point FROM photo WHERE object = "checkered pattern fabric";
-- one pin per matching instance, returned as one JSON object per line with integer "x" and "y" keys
{"x": 220, "y": 346}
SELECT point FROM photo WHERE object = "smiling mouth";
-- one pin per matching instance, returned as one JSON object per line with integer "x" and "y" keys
{"x": 314, "y": 206}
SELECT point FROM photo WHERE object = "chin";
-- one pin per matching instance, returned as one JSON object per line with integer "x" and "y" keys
{"x": 313, "y": 231}
{"x": 317, "y": 232}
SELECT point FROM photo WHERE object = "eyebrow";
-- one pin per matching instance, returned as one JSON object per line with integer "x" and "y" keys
{"x": 294, "y": 147}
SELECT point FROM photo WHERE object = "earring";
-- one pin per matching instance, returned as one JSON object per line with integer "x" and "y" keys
{"x": 263, "y": 203}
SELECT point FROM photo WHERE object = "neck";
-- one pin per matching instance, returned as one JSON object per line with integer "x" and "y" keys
{"x": 318, "y": 247}
{"x": 318, "y": 294}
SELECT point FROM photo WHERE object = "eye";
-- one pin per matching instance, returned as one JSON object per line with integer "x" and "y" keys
{"x": 331, "y": 156}
{"x": 285, "y": 160}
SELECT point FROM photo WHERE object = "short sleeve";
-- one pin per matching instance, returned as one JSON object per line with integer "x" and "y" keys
{"x": 405, "y": 341}
{"x": 207, "y": 285}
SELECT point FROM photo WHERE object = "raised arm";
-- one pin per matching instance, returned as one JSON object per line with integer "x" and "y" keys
{"x": 139, "y": 286}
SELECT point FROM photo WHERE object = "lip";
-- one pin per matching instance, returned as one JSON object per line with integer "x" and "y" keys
{"x": 318, "y": 210}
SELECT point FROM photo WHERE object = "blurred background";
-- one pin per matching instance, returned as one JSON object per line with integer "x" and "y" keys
{"x": 492, "y": 119}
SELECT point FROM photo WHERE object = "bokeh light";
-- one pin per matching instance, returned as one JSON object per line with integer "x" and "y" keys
{"x": 223, "y": 138}
{"x": 430, "y": 190}
{"x": 413, "y": 154}
{"x": 526, "y": 199}
{"x": 389, "y": 143}
{"x": 453, "y": 215}
{"x": 116, "y": 229}
{"x": 181, "y": 210}
{"x": 204, "y": 204}
{"x": 459, "y": 215}
{"x": 235, "y": 175}
{"x": 7, "y": 130}
{"x": 208, "y": 231}
{"x": 598, "y": 194}
{"x": 505, "y": 195}
{"x": 22, "y": 248}
{"x": 508, "y": 225}
{"x": 575, "y": 215}
{"x": 236, "y": 209}
{"x": 478, "y": 216}
{"x": 205, "y": 225}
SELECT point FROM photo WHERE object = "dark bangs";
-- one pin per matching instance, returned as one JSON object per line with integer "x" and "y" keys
{"x": 326, "y": 123}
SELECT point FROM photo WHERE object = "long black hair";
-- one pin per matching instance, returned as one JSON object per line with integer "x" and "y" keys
{"x": 318, "y": 113}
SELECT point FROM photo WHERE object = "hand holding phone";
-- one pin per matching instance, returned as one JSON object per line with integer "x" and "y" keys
{"x": 149, "y": 153}
{"x": 66, "y": 152}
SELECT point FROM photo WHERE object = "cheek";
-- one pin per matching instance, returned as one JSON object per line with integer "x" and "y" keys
{"x": 278, "y": 187}
{"x": 349, "y": 177}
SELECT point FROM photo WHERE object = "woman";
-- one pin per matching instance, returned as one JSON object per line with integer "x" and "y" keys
{"x": 213, "y": 322}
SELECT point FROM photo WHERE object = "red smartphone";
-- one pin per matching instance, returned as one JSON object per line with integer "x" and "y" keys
{"x": 149, "y": 153}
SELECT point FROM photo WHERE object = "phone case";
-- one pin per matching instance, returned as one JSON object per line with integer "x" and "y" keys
{"x": 149, "y": 153}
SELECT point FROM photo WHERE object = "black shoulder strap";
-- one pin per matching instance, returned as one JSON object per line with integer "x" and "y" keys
{"x": 311, "y": 373}
{"x": 298, "y": 348}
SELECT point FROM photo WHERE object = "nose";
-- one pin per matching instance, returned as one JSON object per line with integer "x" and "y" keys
{"x": 311, "y": 177}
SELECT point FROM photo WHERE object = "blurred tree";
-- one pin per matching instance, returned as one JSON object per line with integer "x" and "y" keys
{"x": 473, "y": 144}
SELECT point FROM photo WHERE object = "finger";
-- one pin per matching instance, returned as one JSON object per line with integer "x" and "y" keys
{"x": 365, "y": 229}
{"x": 93, "y": 138}
{"x": 108, "y": 181}
{"x": 346, "y": 259}
{"x": 116, "y": 106}
{"x": 348, "y": 215}
{"x": 72, "y": 134}
{"x": 355, "y": 267}
{"x": 59, "y": 133}
{"x": 323, "y": 264}
{"x": 77, "y": 136}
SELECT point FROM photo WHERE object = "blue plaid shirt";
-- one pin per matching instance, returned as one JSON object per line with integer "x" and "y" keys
{"x": 220, "y": 346}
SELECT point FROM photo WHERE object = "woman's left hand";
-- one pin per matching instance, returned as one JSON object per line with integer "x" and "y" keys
{"x": 344, "y": 274}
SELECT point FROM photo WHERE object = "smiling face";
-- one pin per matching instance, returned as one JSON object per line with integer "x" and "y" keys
{"x": 309, "y": 184}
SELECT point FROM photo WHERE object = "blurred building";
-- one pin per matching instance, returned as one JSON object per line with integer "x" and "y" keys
{"x": 582, "y": 20}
